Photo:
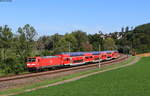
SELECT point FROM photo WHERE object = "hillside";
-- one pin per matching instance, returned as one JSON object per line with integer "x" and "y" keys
{"x": 136, "y": 39}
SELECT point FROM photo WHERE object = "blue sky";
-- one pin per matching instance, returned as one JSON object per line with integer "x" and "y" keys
{"x": 61, "y": 16}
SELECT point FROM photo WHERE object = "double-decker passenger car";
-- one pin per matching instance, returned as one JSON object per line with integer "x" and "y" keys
{"x": 88, "y": 57}
{"x": 72, "y": 58}
{"x": 97, "y": 56}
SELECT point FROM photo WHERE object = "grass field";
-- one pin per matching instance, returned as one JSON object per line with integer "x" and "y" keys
{"x": 129, "y": 81}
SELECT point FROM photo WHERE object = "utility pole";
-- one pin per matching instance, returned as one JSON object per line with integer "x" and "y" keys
{"x": 100, "y": 43}
{"x": 69, "y": 54}
{"x": 99, "y": 65}
{"x": 53, "y": 46}
{"x": 69, "y": 47}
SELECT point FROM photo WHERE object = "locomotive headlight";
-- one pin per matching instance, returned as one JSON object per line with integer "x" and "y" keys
{"x": 31, "y": 64}
{"x": 28, "y": 64}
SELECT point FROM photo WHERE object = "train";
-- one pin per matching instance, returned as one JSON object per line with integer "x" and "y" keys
{"x": 69, "y": 59}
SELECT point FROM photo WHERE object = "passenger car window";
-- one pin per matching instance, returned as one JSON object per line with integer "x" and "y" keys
{"x": 67, "y": 59}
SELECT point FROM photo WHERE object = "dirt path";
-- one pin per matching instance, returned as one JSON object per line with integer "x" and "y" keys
{"x": 79, "y": 77}
{"x": 144, "y": 54}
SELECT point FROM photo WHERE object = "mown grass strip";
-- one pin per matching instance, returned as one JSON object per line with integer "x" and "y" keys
{"x": 46, "y": 82}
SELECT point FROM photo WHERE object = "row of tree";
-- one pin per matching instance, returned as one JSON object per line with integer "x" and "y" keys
{"x": 133, "y": 40}
{"x": 75, "y": 41}
{"x": 15, "y": 47}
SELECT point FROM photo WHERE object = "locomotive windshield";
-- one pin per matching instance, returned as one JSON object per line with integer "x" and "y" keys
{"x": 31, "y": 59}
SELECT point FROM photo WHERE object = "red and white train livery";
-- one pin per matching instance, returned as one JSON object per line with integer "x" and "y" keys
{"x": 70, "y": 58}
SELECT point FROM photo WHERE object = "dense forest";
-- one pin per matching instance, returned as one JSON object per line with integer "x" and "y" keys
{"x": 15, "y": 47}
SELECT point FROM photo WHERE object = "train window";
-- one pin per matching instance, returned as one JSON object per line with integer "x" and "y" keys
{"x": 31, "y": 59}
{"x": 77, "y": 61}
{"x": 67, "y": 59}
{"x": 87, "y": 57}
{"x": 96, "y": 58}
{"x": 103, "y": 55}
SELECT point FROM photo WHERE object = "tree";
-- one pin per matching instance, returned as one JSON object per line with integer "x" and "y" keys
{"x": 25, "y": 40}
{"x": 127, "y": 29}
{"x": 44, "y": 43}
{"x": 48, "y": 45}
{"x": 24, "y": 45}
{"x": 81, "y": 38}
{"x": 87, "y": 46}
{"x": 67, "y": 43}
{"x": 122, "y": 29}
{"x": 96, "y": 40}
{"x": 9, "y": 61}
{"x": 136, "y": 39}
{"x": 109, "y": 44}
{"x": 6, "y": 37}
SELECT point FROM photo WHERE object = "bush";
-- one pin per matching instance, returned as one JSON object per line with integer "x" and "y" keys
{"x": 11, "y": 65}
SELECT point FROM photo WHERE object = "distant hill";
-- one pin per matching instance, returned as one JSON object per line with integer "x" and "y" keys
{"x": 142, "y": 38}
{"x": 138, "y": 39}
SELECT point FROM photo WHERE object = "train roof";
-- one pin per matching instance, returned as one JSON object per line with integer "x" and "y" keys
{"x": 73, "y": 53}
{"x": 49, "y": 56}
{"x": 111, "y": 51}
{"x": 96, "y": 52}
{"x": 83, "y": 53}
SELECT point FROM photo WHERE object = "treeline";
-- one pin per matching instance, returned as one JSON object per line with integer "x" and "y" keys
{"x": 75, "y": 41}
{"x": 133, "y": 40}
{"x": 15, "y": 47}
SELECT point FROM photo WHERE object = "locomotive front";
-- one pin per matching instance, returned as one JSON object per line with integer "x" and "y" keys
{"x": 32, "y": 62}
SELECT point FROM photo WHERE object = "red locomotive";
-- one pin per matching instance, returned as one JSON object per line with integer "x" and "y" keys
{"x": 69, "y": 58}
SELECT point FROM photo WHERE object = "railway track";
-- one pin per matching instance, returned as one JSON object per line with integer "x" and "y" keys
{"x": 22, "y": 76}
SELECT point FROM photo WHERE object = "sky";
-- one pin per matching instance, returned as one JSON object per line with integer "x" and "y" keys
{"x": 64, "y": 16}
